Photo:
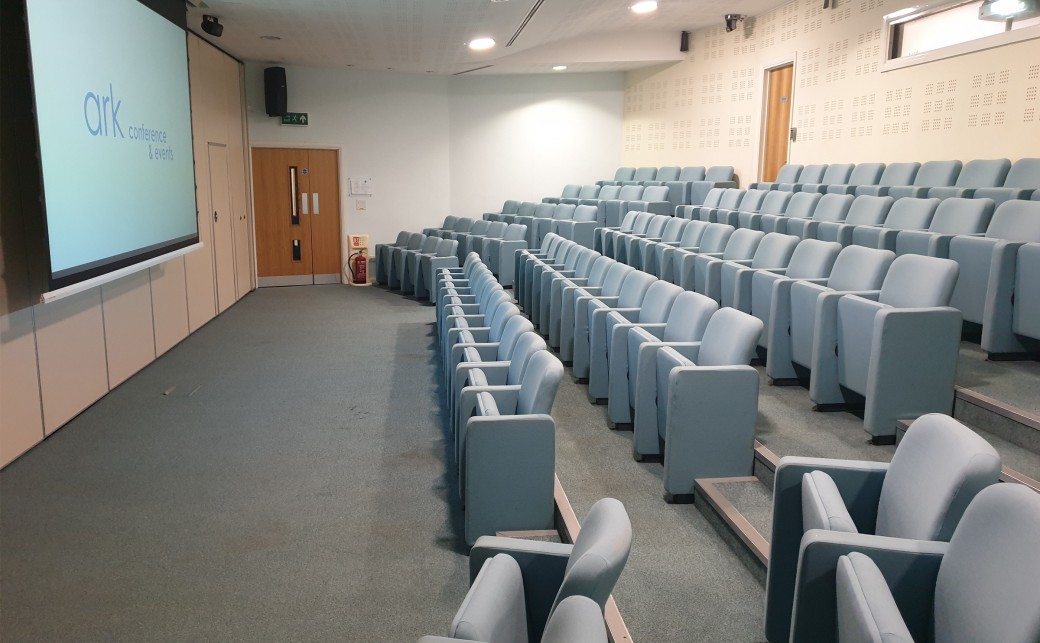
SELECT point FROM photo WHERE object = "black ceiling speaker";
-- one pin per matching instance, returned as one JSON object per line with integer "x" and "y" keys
{"x": 212, "y": 26}
{"x": 684, "y": 41}
{"x": 276, "y": 99}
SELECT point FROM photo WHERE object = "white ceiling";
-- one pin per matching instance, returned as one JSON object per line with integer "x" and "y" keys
{"x": 430, "y": 36}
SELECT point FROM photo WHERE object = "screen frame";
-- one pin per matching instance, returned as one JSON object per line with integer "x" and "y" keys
{"x": 146, "y": 255}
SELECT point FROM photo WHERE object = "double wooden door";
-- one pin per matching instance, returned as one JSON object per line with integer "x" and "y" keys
{"x": 296, "y": 200}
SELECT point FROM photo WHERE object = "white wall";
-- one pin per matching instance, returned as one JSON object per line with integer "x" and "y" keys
{"x": 524, "y": 137}
{"x": 708, "y": 108}
{"x": 436, "y": 145}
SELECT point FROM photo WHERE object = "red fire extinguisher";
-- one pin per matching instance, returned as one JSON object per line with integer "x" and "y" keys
{"x": 359, "y": 269}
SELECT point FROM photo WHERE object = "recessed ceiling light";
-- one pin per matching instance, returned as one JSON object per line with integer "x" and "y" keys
{"x": 559, "y": 67}
{"x": 480, "y": 44}
{"x": 646, "y": 6}
{"x": 270, "y": 37}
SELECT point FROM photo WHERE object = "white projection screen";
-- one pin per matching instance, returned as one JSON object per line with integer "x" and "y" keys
{"x": 113, "y": 115}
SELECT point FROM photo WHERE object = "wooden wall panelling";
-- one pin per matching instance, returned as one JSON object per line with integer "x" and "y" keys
{"x": 21, "y": 418}
{"x": 169, "y": 304}
{"x": 129, "y": 331}
{"x": 70, "y": 338}
{"x": 238, "y": 165}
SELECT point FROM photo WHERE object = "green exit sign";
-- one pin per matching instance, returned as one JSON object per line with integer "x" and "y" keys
{"x": 294, "y": 118}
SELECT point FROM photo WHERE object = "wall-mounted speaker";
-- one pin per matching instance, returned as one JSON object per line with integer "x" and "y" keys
{"x": 276, "y": 100}
{"x": 684, "y": 41}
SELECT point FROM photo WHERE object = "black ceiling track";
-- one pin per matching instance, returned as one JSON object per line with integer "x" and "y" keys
{"x": 530, "y": 14}
{"x": 459, "y": 73}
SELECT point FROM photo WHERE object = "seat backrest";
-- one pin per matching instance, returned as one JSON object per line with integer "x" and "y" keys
{"x": 429, "y": 244}
{"x": 837, "y": 174}
{"x": 692, "y": 173}
{"x": 479, "y": 226}
{"x": 742, "y": 244}
{"x": 526, "y": 209}
{"x": 692, "y": 233}
{"x": 585, "y": 213}
{"x": 615, "y": 278}
{"x": 447, "y": 248}
{"x": 544, "y": 210}
{"x": 911, "y": 214}
{"x": 577, "y": 619}
{"x": 656, "y": 226}
{"x": 813, "y": 259}
{"x": 570, "y": 191}
{"x": 1016, "y": 221}
{"x": 938, "y": 173}
{"x": 563, "y": 211}
{"x": 658, "y": 302}
{"x": 715, "y": 237}
{"x": 752, "y": 200}
{"x": 599, "y": 554}
{"x": 774, "y": 251}
{"x": 630, "y": 192}
{"x": 609, "y": 192}
{"x": 570, "y": 259}
{"x": 713, "y": 197}
{"x": 802, "y": 205}
{"x": 599, "y": 269}
{"x": 462, "y": 224}
{"x": 634, "y": 289}
{"x": 986, "y": 586}
{"x": 655, "y": 193}
{"x": 645, "y": 174}
{"x": 775, "y": 202}
{"x": 624, "y": 173}
{"x": 415, "y": 240}
{"x": 526, "y": 347}
{"x": 642, "y": 222}
{"x": 788, "y": 173}
{"x": 588, "y": 192}
{"x": 983, "y": 173}
{"x": 938, "y": 468}
{"x": 585, "y": 261}
{"x": 509, "y": 207}
{"x": 859, "y": 268}
{"x": 917, "y": 281}
{"x": 730, "y": 339}
{"x": 813, "y": 173}
{"x": 731, "y": 198}
{"x": 668, "y": 173}
{"x": 539, "y": 384}
{"x": 402, "y": 238}
{"x": 833, "y": 207}
{"x": 869, "y": 210}
{"x": 673, "y": 228}
{"x": 1025, "y": 173}
{"x": 899, "y": 174}
{"x": 549, "y": 241}
{"x": 516, "y": 327}
{"x": 629, "y": 220}
{"x": 962, "y": 216}
{"x": 717, "y": 173}
{"x": 688, "y": 317}
{"x": 496, "y": 229}
{"x": 866, "y": 174}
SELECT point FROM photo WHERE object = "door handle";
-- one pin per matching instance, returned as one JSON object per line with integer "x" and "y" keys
{"x": 314, "y": 197}
{"x": 303, "y": 199}
{"x": 215, "y": 216}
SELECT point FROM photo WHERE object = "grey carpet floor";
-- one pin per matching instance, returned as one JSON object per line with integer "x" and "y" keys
{"x": 298, "y": 494}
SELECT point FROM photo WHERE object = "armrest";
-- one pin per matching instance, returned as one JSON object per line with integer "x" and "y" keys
{"x": 914, "y": 562}
{"x": 505, "y": 395}
{"x": 852, "y": 477}
{"x": 631, "y": 314}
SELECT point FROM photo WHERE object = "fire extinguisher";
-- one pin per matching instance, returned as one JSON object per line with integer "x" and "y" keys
{"x": 358, "y": 264}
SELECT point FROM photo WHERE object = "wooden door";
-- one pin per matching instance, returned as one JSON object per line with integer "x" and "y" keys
{"x": 281, "y": 227}
{"x": 779, "y": 83}
{"x": 222, "y": 220}
{"x": 323, "y": 187}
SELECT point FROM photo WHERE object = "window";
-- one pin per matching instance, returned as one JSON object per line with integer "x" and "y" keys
{"x": 932, "y": 32}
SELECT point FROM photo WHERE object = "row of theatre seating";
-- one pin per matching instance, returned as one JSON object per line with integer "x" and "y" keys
{"x": 924, "y": 548}
{"x": 501, "y": 385}
{"x": 860, "y": 551}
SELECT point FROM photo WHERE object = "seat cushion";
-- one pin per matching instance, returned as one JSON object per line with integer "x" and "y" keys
{"x": 867, "y": 613}
{"x": 822, "y": 506}
{"x": 494, "y": 609}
